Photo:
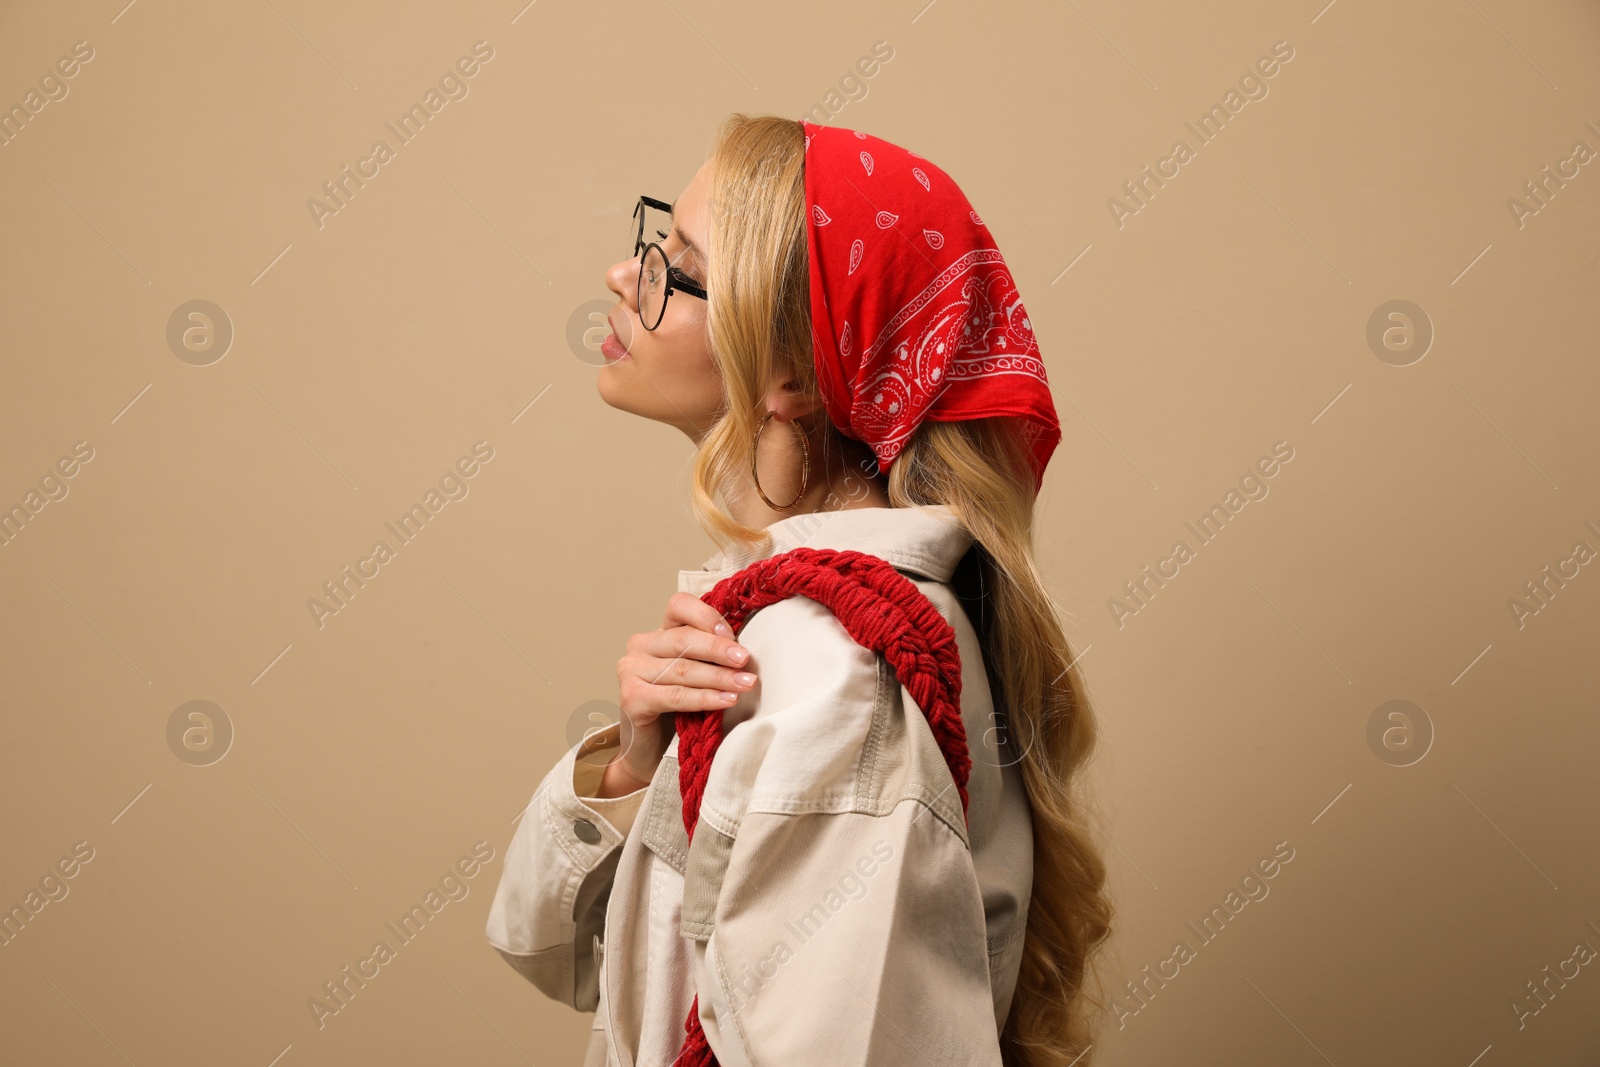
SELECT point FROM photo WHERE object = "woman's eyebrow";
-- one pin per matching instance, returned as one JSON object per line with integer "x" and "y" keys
{"x": 691, "y": 250}
{"x": 689, "y": 246}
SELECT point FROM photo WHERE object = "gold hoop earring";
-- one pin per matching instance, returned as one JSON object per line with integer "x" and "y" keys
{"x": 805, "y": 473}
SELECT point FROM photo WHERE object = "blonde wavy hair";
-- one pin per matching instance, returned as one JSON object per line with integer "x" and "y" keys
{"x": 759, "y": 320}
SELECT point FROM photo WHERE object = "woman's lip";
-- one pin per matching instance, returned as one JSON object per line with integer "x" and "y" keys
{"x": 612, "y": 348}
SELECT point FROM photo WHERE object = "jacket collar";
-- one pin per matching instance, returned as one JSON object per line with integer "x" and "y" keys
{"x": 926, "y": 540}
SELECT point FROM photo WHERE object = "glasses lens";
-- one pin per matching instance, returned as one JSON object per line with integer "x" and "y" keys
{"x": 652, "y": 286}
{"x": 648, "y": 224}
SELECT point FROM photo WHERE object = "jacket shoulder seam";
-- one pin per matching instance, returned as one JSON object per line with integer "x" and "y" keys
{"x": 923, "y": 795}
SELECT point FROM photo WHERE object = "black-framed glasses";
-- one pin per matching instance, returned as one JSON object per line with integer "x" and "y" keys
{"x": 658, "y": 278}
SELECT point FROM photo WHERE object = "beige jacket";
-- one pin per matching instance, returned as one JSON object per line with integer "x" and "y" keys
{"x": 835, "y": 908}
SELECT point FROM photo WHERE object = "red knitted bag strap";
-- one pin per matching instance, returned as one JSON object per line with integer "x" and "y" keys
{"x": 881, "y": 610}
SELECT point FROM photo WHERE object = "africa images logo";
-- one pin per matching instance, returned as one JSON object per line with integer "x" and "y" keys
{"x": 453, "y": 887}
{"x": 453, "y": 85}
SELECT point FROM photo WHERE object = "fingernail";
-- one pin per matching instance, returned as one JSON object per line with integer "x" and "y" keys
{"x": 745, "y": 678}
{"x": 730, "y": 697}
{"x": 720, "y": 628}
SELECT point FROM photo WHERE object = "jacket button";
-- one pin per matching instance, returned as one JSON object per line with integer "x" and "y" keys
{"x": 586, "y": 831}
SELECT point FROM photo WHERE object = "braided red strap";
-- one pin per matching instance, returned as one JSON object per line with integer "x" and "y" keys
{"x": 883, "y": 611}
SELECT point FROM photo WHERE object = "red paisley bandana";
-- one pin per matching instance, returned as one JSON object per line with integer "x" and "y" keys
{"x": 913, "y": 311}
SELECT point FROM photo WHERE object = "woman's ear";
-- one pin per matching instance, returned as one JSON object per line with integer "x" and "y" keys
{"x": 785, "y": 398}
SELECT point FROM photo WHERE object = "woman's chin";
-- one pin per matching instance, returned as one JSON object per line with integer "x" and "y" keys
{"x": 609, "y": 388}
{"x": 618, "y": 392}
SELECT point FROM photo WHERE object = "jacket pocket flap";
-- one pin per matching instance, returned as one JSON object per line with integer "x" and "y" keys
{"x": 702, "y": 882}
{"x": 663, "y": 831}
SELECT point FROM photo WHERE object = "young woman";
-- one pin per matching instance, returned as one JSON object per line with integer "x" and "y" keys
{"x": 827, "y": 318}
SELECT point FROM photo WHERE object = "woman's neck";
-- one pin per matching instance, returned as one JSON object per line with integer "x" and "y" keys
{"x": 843, "y": 487}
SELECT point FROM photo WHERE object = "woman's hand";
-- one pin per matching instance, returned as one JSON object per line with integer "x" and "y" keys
{"x": 691, "y": 663}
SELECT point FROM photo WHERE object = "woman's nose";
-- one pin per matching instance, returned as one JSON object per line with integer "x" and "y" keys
{"x": 621, "y": 279}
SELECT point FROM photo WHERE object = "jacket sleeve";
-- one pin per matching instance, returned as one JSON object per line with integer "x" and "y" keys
{"x": 550, "y": 905}
{"x": 831, "y": 925}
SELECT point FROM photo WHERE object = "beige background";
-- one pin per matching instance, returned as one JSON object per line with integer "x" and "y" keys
{"x": 370, "y": 354}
